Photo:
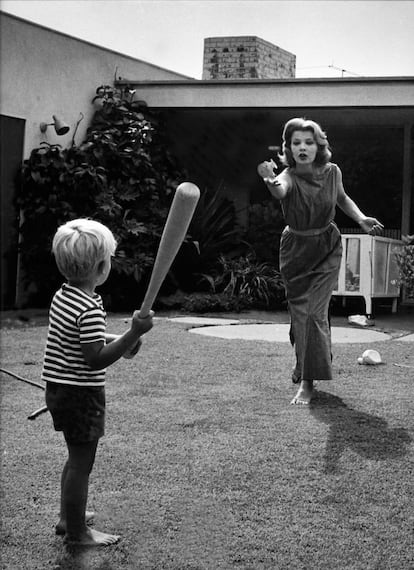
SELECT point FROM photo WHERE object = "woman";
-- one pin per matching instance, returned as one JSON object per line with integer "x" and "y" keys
{"x": 310, "y": 251}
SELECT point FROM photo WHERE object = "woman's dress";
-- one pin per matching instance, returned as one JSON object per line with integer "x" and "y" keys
{"x": 309, "y": 264}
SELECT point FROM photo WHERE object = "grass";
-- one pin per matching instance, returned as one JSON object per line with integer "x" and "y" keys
{"x": 206, "y": 466}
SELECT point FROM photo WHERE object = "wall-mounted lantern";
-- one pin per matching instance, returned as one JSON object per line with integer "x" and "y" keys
{"x": 61, "y": 127}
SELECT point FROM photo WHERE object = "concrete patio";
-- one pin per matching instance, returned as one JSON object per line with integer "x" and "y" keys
{"x": 274, "y": 326}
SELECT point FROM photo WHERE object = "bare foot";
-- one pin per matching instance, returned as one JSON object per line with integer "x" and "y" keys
{"x": 92, "y": 538}
{"x": 304, "y": 394}
{"x": 61, "y": 525}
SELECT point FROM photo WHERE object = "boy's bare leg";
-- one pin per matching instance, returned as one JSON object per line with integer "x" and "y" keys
{"x": 304, "y": 394}
{"x": 60, "y": 528}
{"x": 75, "y": 495}
{"x": 61, "y": 525}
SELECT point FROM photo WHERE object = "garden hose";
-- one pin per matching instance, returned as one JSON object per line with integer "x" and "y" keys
{"x": 41, "y": 410}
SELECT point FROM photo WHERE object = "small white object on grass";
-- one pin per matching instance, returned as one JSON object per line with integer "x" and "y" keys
{"x": 361, "y": 321}
{"x": 370, "y": 357}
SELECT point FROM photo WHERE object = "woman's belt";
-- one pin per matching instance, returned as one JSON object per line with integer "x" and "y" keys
{"x": 312, "y": 232}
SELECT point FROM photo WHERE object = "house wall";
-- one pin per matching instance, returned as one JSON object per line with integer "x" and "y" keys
{"x": 45, "y": 73}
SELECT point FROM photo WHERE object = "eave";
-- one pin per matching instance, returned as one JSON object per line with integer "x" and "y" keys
{"x": 359, "y": 92}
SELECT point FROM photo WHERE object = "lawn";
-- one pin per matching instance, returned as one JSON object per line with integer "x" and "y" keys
{"x": 205, "y": 465}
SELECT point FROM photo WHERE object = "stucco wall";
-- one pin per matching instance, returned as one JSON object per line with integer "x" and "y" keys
{"x": 44, "y": 72}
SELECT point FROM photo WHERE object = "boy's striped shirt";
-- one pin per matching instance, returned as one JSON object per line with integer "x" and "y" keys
{"x": 74, "y": 318}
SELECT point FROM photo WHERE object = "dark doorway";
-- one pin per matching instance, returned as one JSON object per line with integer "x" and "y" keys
{"x": 222, "y": 147}
{"x": 11, "y": 157}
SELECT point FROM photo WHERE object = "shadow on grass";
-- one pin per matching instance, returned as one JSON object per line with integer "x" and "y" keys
{"x": 367, "y": 435}
{"x": 84, "y": 558}
{"x": 72, "y": 559}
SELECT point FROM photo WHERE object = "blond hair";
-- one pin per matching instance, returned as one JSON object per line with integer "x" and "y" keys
{"x": 80, "y": 245}
{"x": 323, "y": 154}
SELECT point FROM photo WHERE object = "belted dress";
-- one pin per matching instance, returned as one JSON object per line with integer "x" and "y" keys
{"x": 310, "y": 257}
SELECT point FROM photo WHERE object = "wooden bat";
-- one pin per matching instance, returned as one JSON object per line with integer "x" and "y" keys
{"x": 179, "y": 218}
{"x": 176, "y": 226}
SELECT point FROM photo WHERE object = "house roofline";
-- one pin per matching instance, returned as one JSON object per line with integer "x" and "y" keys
{"x": 395, "y": 92}
{"x": 227, "y": 82}
{"x": 86, "y": 42}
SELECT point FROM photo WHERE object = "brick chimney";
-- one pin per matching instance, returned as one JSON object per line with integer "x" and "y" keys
{"x": 246, "y": 57}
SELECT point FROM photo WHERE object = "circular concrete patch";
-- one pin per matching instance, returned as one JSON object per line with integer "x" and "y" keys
{"x": 280, "y": 333}
{"x": 406, "y": 338}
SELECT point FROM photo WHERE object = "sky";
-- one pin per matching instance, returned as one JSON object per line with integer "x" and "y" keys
{"x": 330, "y": 38}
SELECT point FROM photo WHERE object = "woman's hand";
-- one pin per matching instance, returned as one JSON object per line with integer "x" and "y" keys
{"x": 267, "y": 169}
{"x": 278, "y": 185}
{"x": 371, "y": 226}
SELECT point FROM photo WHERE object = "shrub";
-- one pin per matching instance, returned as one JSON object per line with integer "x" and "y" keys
{"x": 121, "y": 175}
{"x": 56, "y": 185}
{"x": 200, "y": 302}
{"x": 405, "y": 260}
{"x": 256, "y": 285}
{"x": 213, "y": 303}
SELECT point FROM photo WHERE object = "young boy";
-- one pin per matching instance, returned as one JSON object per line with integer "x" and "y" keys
{"x": 77, "y": 352}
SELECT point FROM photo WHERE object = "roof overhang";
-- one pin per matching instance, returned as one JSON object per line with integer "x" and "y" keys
{"x": 390, "y": 92}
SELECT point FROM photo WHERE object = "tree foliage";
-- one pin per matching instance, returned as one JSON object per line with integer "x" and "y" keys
{"x": 122, "y": 175}
{"x": 405, "y": 260}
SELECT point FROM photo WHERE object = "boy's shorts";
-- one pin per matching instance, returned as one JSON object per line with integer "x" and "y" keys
{"x": 78, "y": 411}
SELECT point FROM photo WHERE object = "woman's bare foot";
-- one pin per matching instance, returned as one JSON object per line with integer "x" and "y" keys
{"x": 92, "y": 538}
{"x": 61, "y": 525}
{"x": 304, "y": 394}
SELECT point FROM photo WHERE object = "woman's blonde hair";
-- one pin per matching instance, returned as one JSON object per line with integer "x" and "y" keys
{"x": 80, "y": 245}
{"x": 323, "y": 154}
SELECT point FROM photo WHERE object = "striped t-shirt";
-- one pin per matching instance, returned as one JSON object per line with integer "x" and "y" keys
{"x": 74, "y": 318}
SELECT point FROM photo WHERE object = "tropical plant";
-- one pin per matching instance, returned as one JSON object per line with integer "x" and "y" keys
{"x": 405, "y": 260}
{"x": 213, "y": 232}
{"x": 258, "y": 285}
{"x": 214, "y": 226}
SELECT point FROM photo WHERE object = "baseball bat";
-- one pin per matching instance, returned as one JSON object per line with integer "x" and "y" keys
{"x": 179, "y": 218}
